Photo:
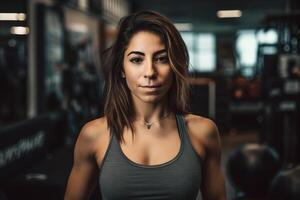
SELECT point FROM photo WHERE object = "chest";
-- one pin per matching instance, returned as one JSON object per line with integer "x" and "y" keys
{"x": 177, "y": 179}
{"x": 151, "y": 149}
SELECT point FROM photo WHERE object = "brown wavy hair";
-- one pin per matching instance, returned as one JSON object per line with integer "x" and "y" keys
{"x": 118, "y": 103}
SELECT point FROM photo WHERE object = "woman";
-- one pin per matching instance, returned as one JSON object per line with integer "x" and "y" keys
{"x": 147, "y": 146}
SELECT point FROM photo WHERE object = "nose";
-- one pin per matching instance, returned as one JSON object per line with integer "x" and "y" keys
{"x": 150, "y": 71}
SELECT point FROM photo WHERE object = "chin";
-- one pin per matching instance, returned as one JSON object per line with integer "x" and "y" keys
{"x": 151, "y": 99}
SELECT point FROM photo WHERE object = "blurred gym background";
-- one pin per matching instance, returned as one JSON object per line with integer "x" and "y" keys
{"x": 244, "y": 69}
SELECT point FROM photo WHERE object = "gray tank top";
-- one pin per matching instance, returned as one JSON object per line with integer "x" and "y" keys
{"x": 178, "y": 179}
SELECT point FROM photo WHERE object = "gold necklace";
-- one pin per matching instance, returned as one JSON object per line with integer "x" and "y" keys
{"x": 149, "y": 124}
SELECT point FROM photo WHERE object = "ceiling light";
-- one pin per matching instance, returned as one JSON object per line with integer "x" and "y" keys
{"x": 229, "y": 13}
{"x": 19, "y": 30}
{"x": 12, "y": 16}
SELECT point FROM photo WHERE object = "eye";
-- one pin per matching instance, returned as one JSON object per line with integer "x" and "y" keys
{"x": 162, "y": 59}
{"x": 136, "y": 60}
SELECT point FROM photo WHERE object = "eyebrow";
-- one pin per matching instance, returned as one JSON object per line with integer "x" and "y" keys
{"x": 136, "y": 52}
{"x": 143, "y": 54}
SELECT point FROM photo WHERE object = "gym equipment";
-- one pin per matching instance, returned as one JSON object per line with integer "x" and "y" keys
{"x": 251, "y": 168}
{"x": 281, "y": 109}
{"x": 286, "y": 185}
{"x": 33, "y": 159}
{"x": 34, "y": 164}
{"x": 23, "y": 145}
{"x": 281, "y": 88}
{"x": 46, "y": 179}
{"x": 27, "y": 141}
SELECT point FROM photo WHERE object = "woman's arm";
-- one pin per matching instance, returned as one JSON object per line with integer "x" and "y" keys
{"x": 206, "y": 141}
{"x": 213, "y": 186}
{"x": 84, "y": 173}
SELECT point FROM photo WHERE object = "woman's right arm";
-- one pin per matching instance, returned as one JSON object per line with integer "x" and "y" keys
{"x": 84, "y": 173}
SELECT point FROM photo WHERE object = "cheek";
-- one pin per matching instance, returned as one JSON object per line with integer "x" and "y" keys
{"x": 130, "y": 83}
{"x": 131, "y": 78}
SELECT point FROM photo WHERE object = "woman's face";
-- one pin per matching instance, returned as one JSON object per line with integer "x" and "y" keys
{"x": 146, "y": 68}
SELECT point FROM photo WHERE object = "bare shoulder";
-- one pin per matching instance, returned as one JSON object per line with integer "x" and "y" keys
{"x": 203, "y": 130}
{"x": 200, "y": 125}
{"x": 94, "y": 129}
{"x": 94, "y": 135}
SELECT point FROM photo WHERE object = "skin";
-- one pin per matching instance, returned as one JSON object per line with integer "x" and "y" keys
{"x": 149, "y": 78}
{"x": 147, "y": 70}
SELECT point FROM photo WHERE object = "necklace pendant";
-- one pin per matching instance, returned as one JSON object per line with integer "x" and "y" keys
{"x": 148, "y": 125}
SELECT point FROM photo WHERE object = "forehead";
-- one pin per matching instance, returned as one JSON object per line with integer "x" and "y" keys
{"x": 145, "y": 41}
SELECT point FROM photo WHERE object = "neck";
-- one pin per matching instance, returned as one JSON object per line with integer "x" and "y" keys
{"x": 151, "y": 112}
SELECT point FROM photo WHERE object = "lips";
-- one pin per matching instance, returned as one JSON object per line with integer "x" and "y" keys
{"x": 150, "y": 86}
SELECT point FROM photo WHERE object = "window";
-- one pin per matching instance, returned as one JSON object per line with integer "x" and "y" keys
{"x": 269, "y": 36}
{"x": 249, "y": 43}
{"x": 246, "y": 46}
{"x": 202, "y": 51}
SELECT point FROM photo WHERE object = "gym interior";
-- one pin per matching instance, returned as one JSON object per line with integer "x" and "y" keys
{"x": 244, "y": 74}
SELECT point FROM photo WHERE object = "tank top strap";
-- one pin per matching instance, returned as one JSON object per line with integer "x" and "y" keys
{"x": 185, "y": 136}
{"x": 181, "y": 126}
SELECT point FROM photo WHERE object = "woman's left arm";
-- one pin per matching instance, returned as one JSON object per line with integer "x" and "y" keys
{"x": 213, "y": 186}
